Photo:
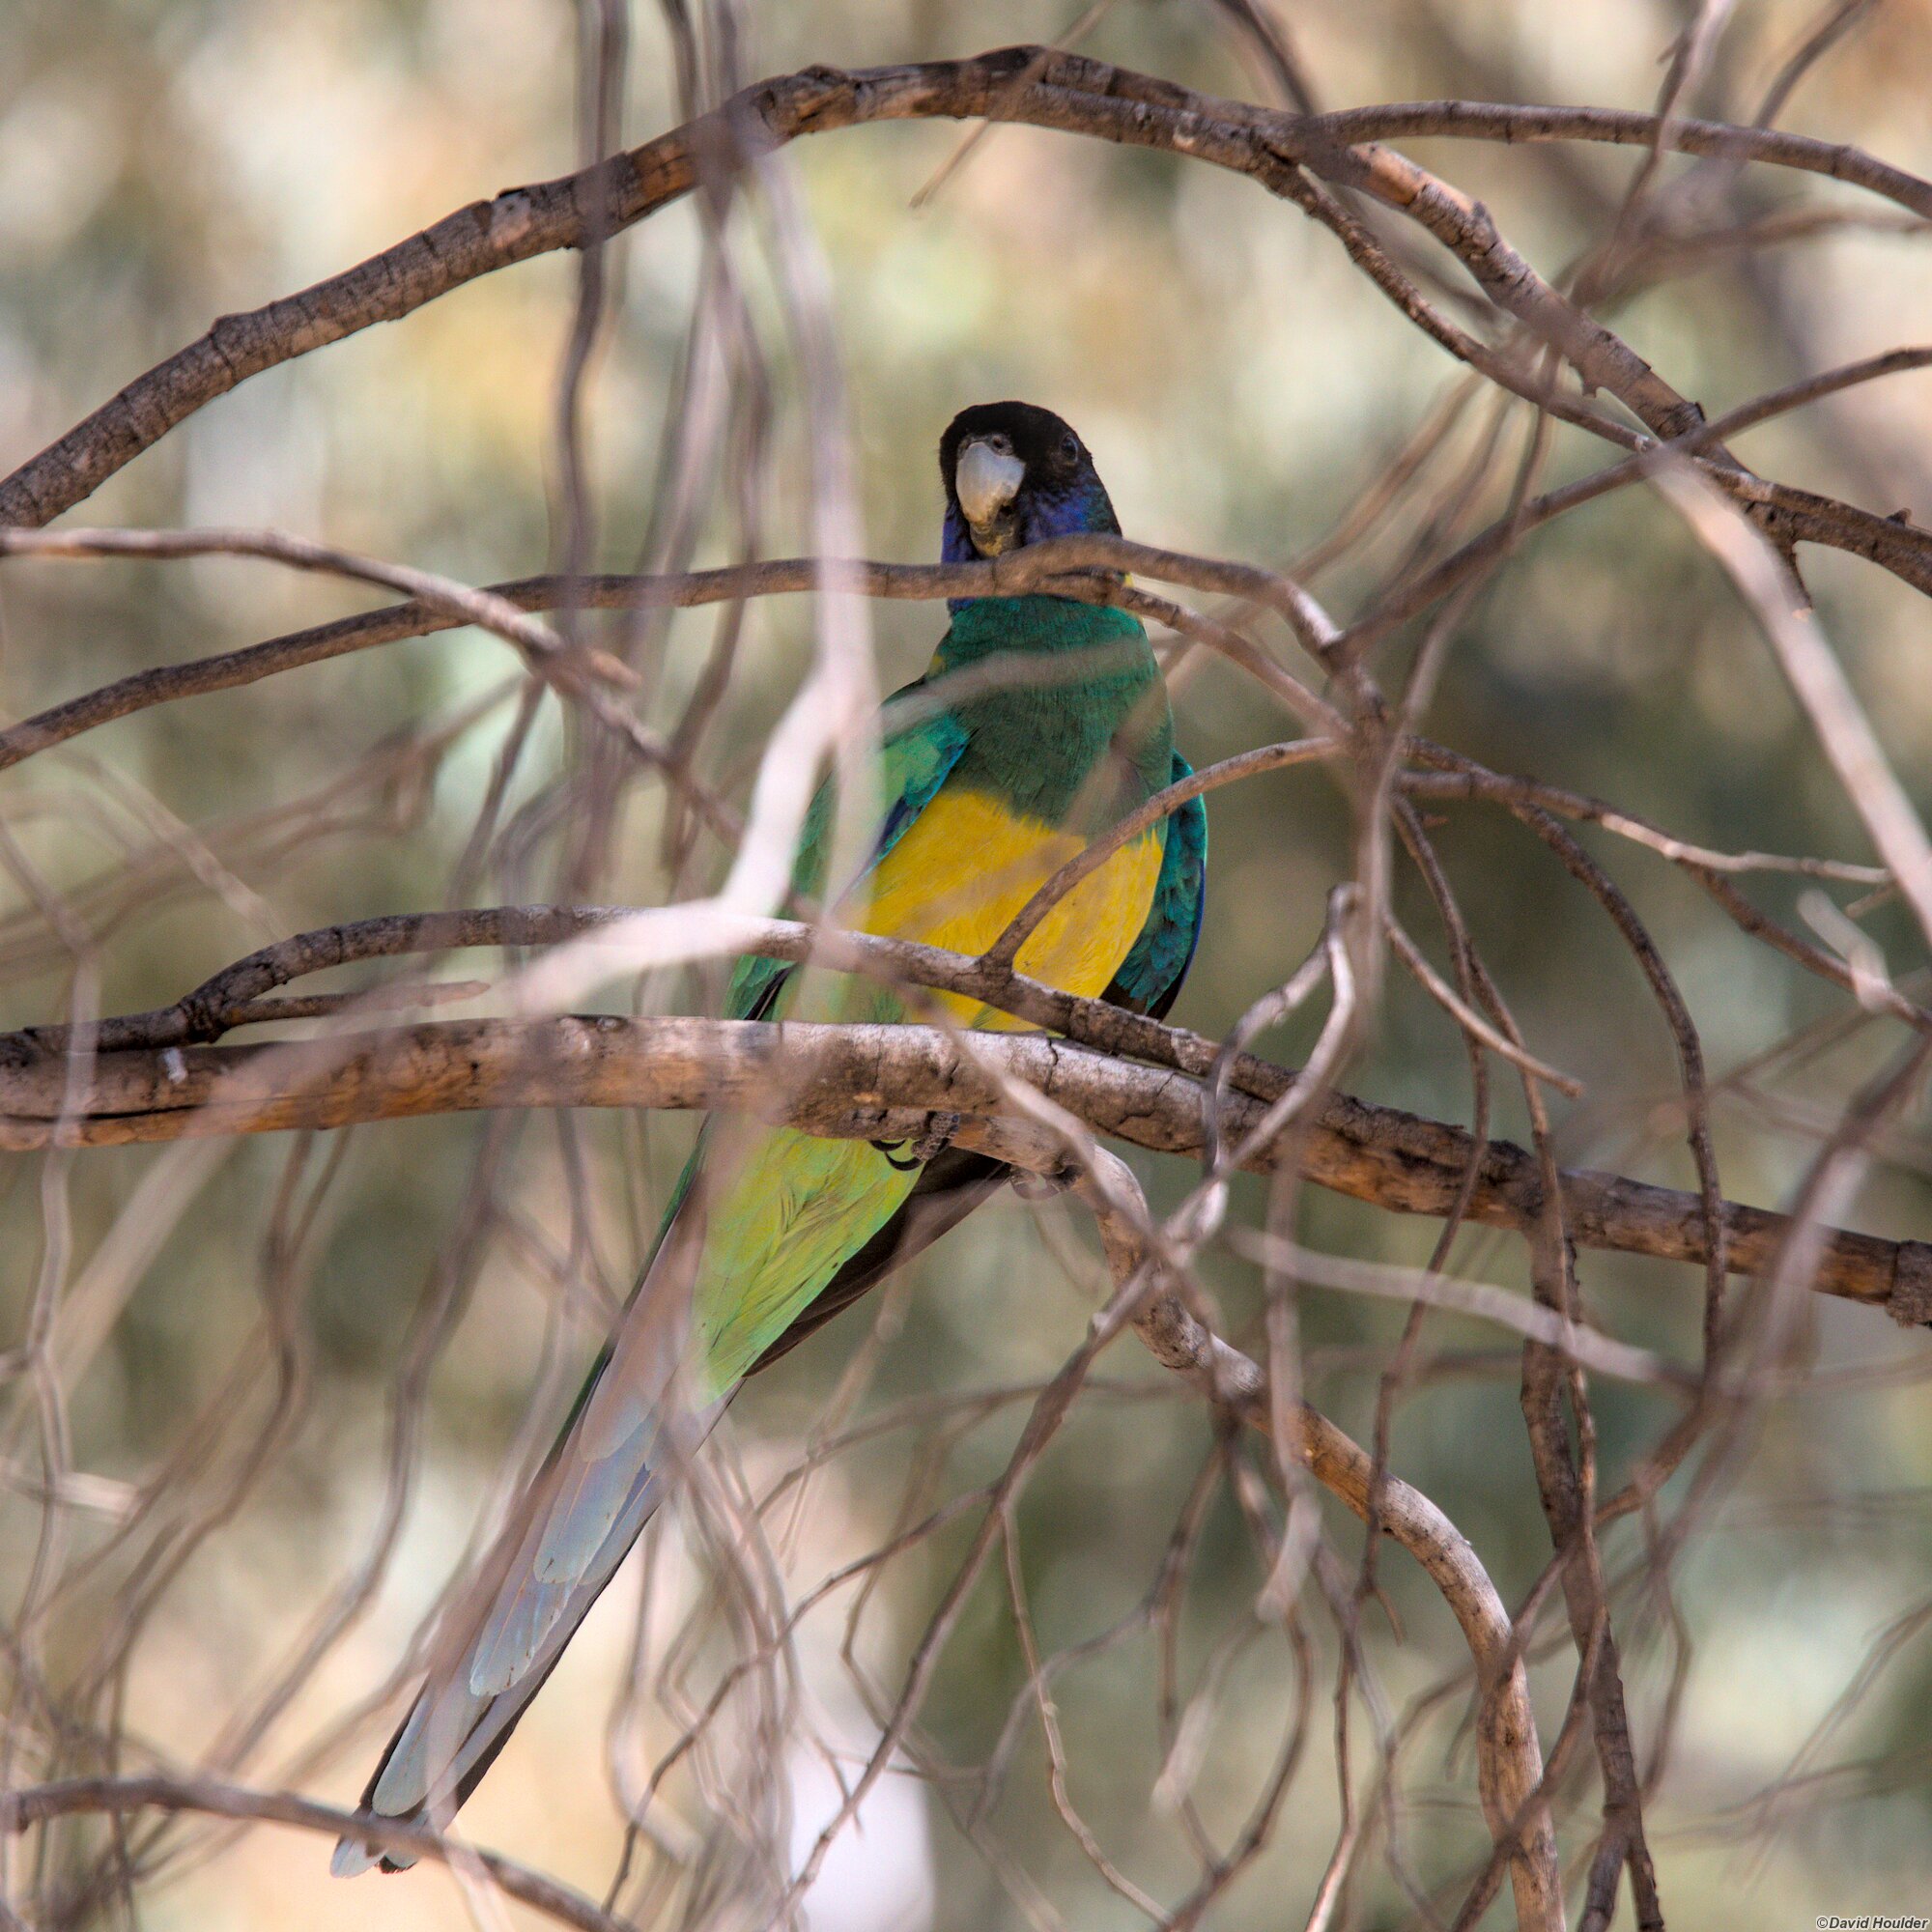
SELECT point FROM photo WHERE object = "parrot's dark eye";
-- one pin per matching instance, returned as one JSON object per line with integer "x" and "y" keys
{"x": 1069, "y": 447}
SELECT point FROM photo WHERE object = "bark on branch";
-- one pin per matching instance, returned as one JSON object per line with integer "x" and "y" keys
{"x": 884, "y": 1082}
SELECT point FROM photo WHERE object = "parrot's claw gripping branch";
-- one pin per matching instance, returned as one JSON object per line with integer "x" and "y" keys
{"x": 908, "y": 1157}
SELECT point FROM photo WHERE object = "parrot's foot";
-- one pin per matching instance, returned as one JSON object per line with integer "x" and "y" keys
{"x": 906, "y": 1155}
{"x": 1031, "y": 1186}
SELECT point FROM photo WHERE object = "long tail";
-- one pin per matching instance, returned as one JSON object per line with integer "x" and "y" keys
{"x": 588, "y": 1505}
{"x": 472, "y": 1699}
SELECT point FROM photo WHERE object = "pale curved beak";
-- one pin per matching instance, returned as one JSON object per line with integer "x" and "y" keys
{"x": 986, "y": 480}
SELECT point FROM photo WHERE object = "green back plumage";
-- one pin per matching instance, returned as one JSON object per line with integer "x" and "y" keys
{"x": 1039, "y": 744}
{"x": 1072, "y": 752}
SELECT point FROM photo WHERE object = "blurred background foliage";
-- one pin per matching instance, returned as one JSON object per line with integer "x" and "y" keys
{"x": 162, "y": 161}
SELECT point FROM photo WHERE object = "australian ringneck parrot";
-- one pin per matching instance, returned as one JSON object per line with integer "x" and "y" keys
{"x": 982, "y": 802}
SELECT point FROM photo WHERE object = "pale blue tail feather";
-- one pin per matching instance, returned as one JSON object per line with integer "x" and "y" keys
{"x": 473, "y": 1698}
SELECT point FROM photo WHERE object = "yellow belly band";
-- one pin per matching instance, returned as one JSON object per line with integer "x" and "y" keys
{"x": 968, "y": 864}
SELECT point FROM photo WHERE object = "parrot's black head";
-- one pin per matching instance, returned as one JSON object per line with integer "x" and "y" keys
{"x": 1015, "y": 473}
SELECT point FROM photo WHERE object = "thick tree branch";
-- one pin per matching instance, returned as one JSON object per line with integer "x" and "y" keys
{"x": 884, "y": 1082}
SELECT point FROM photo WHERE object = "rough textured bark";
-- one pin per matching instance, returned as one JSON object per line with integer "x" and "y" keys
{"x": 883, "y": 1082}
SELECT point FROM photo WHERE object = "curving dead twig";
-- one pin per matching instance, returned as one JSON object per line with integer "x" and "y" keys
{"x": 1511, "y": 1759}
{"x": 119, "y": 1797}
{"x": 1043, "y": 88}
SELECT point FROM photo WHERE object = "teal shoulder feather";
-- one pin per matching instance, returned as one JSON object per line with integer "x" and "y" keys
{"x": 1151, "y": 974}
{"x": 913, "y": 765}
